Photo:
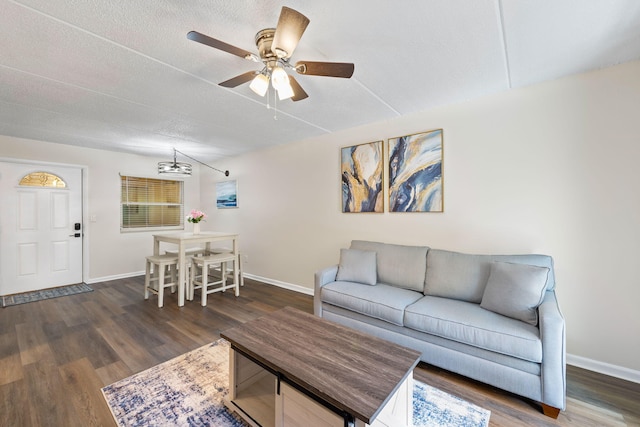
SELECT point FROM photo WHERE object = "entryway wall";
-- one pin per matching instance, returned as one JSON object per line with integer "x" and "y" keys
{"x": 108, "y": 253}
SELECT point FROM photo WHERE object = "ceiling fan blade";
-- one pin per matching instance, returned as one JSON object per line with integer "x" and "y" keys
{"x": 298, "y": 92}
{"x": 209, "y": 41}
{"x": 238, "y": 80}
{"x": 329, "y": 69}
{"x": 291, "y": 26}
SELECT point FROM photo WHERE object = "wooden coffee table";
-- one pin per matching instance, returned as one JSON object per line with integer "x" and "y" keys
{"x": 291, "y": 368}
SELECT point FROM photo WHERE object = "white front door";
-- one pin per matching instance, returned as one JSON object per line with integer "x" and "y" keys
{"x": 40, "y": 229}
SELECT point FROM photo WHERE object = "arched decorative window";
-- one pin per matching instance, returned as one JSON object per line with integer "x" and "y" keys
{"x": 43, "y": 179}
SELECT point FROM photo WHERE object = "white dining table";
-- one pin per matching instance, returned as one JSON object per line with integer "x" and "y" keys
{"x": 183, "y": 239}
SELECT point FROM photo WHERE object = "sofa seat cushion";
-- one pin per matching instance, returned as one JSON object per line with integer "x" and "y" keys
{"x": 383, "y": 302}
{"x": 471, "y": 324}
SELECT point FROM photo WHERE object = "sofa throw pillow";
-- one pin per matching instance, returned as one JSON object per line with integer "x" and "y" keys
{"x": 357, "y": 266}
{"x": 515, "y": 290}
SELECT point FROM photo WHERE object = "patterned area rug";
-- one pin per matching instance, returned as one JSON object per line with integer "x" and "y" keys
{"x": 177, "y": 393}
{"x": 61, "y": 291}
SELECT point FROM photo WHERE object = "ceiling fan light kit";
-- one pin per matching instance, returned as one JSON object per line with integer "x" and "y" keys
{"x": 275, "y": 47}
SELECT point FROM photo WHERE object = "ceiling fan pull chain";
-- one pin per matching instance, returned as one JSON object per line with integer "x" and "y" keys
{"x": 275, "y": 105}
{"x": 268, "y": 98}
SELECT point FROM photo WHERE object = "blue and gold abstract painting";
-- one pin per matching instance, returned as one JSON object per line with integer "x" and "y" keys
{"x": 361, "y": 168}
{"x": 415, "y": 172}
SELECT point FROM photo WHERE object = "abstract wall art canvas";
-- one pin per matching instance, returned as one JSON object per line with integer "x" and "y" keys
{"x": 361, "y": 170}
{"x": 415, "y": 173}
{"x": 227, "y": 194}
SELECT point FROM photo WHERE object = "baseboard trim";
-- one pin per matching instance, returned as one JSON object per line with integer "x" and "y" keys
{"x": 278, "y": 283}
{"x": 604, "y": 368}
{"x": 114, "y": 277}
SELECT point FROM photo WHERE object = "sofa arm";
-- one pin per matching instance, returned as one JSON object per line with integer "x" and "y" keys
{"x": 553, "y": 336}
{"x": 322, "y": 277}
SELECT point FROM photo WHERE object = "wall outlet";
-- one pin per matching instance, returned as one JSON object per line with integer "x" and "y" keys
{"x": 245, "y": 259}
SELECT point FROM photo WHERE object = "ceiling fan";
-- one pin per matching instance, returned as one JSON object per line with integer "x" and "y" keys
{"x": 275, "y": 47}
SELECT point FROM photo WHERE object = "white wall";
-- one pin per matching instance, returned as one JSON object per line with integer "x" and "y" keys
{"x": 550, "y": 169}
{"x": 111, "y": 254}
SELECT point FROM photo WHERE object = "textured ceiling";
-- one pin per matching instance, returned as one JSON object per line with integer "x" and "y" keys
{"x": 122, "y": 76}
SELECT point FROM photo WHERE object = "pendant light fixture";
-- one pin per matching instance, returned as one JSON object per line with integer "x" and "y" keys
{"x": 177, "y": 169}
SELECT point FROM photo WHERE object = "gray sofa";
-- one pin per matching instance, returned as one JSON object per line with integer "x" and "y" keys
{"x": 493, "y": 318}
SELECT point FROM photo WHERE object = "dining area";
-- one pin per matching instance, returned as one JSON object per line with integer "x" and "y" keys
{"x": 184, "y": 261}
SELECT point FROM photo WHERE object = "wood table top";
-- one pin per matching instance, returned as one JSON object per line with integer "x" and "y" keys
{"x": 353, "y": 371}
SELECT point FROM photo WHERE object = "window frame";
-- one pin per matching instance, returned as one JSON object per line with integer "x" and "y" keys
{"x": 124, "y": 201}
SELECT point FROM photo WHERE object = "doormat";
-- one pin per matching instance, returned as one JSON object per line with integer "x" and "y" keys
{"x": 189, "y": 390}
{"x": 43, "y": 294}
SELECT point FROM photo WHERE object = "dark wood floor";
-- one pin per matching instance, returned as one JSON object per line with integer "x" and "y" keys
{"x": 55, "y": 356}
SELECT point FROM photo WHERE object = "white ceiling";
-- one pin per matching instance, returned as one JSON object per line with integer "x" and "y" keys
{"x": 121, "y": 75}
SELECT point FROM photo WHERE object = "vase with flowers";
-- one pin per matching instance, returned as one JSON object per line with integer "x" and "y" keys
{"x": 194, "y": 217}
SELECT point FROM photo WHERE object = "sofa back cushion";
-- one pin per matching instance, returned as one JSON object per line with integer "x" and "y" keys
{"x": 398, "y": 265}
{"x": 464, "y": 276}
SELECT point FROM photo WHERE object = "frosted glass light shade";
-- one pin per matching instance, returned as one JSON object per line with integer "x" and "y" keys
{"x": 279, "y": 78}
{"x": 285, "y": 92}
{"x": 260, "y": 84}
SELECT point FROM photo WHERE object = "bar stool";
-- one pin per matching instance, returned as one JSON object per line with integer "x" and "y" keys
{"x": 240, "y": 269}
{"x": 202, "y": 281}
{"x": 188, "y": 252}
{"x": 160, "y": 264}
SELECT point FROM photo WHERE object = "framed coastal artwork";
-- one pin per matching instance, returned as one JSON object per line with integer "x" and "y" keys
{"x": 361, "y": 176}
{"x": 415, "y": 173}
{"x": 227, "y": 194}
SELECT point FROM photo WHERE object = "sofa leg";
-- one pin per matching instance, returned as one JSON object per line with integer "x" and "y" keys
{"x": 550, "y": 411}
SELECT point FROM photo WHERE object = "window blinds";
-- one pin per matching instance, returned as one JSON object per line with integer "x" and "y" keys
{"x": 151, "y": 203}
